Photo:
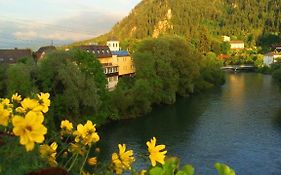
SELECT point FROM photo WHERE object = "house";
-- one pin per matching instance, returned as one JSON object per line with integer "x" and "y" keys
{"x": 104, "y": 55}
{"x": 276, "y": 48}
{"x": 271, "y": 57}
{"x": 111, "y": 72}
{"x": 236, "y": 45}
{"x": 113, "y": 45}
{"x": 11, "y": 56}
{"x": 40, "y": 53}
{"x": 226, "y": 38}
{"x": 124, "y": 61}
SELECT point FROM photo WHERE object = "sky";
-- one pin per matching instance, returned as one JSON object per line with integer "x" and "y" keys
{"x": 35, "y": 23}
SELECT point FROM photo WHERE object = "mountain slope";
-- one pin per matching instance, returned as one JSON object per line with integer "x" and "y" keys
{"x": 199, "y": 21}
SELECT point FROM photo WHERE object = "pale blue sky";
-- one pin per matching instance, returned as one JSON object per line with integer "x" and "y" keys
{"x": 31, "y": 23}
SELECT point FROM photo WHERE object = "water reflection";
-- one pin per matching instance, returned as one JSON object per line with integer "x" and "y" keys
{"x": 238, "y": 124}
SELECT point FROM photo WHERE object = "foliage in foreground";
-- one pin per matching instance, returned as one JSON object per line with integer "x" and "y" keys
{"x": 22, "y": 121}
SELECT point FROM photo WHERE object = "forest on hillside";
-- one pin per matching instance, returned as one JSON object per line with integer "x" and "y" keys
{"x": 202, "y": 22}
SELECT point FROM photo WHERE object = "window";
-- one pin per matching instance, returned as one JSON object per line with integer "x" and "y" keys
{"x": 102, "y": 51}
{"x": 109, "y": 44}
{"x": 88, "y": 50}
{"x": 11, "y": 59}
{"x": 98, "y": 51}
{"x": 1, "y": 59}
{"x": 94, "y": 52}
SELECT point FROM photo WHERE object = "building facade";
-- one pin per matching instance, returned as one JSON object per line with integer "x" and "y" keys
{"x": 237, "y": 45}
{"x": 104, "y": 55}
{"x": 270, "y": 58}
{"x": 113, "y": 45}
{"x": 12, "y": 56}
{"x": 124, "y": 62}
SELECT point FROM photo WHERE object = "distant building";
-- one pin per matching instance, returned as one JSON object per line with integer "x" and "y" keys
{"x": 276, "y": 48}
{"x": 124, "y": 61}
{"x": 11, "y": 56}
{"x": 104, "y": 55}
{"x": 40, "y": 53}
{"x": 237, "y": 45}
{"x": 270, "y": 58}
{"x": 113, "y": 45}
{"x": 111, "y": 72}
{"x": 226, "y": 38}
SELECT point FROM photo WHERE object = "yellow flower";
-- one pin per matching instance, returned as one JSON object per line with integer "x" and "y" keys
{"x": 49, "y": 153}
{"x": 86, "y": 134}
{"x": 29, "y": 105}
{"x": 6, "y": 104}
{"x": 123, "y": 160}
{"x": 4, "y": 115}
{"x": 66, "y": 126}
{"x": 142, "y": 172}
{"x": 92, "y": 161}
{"x": 44, "y": 101}
{"x": 30, "y": 129}
{"x": 155, "y": 152}
{"x": 16, "y": 98}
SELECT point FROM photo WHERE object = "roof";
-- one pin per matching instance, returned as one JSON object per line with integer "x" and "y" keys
{"x": 10, "y": 56}
{"x": 44, "y": 49}
{"x": 98, "y": 50}
{"x": 120, "y": 53}
{"x": 236, "y": 42}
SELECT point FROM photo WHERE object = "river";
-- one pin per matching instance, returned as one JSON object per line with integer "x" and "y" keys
{"x": 238, "y": 124}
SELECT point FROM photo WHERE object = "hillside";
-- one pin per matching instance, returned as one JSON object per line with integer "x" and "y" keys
{"x": 200, "y": 21}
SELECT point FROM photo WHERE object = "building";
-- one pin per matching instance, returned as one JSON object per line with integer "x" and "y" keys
{"x": 113, "y": 45}
{"x": 11, "y": 56}
{"x": 104, "y": 55}
{"x": 124, "y": 61}
{"x": 111, "y": 72}
{"x": 276, "y": 48}
{"x": 40, "y": 53}
{"x": 236, "y": 45}
{"x": 271, "y": 57}
{"x": 226, "y": 38}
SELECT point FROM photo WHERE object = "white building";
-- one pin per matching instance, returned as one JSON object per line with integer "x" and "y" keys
{"x": 237, "y": 45}
{"x": 270, "y": 58}
{"x": 113, "y": 45}
{"x": 226, "y": 38}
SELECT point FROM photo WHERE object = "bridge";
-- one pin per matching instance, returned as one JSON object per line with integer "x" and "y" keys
{"x": 237, "y": 68}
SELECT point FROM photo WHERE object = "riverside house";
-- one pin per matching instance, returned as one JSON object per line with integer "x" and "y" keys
{"x": 122, "y": 59}
{"x": 104, "y": 55}
{"x": 40, "y": 53}
{"x": 236, "y": 45}
{"x": 11, "y": 56}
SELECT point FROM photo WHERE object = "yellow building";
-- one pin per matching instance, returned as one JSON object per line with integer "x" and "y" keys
{"x": 124, "y": 61}
{"x": 105, "y": 57}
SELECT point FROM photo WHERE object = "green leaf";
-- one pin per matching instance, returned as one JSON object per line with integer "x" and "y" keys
{"x": 224, "y": 169}
{"x": 170, "y": 165}
{"x": 189, "y": 170}
{"x": 156, "y": 171}
{"x": 181, "y": 173}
